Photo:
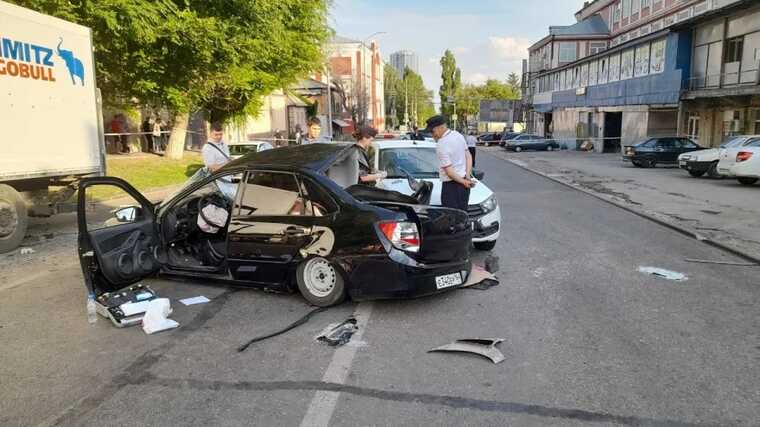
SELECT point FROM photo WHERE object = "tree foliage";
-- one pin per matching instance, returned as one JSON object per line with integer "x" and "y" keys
{"x": 513, "y": 81}
{"x": 468, "y": 97}
{"x": 452, "y": 81}
{"x": 407, "y": 100}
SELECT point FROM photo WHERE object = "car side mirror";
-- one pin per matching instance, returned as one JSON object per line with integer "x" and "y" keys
{"x": 478, "y": 174}
{"x": 127, "y": 214}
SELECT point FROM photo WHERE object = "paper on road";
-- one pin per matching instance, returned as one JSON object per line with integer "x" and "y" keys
{"x": 195, "y": 300}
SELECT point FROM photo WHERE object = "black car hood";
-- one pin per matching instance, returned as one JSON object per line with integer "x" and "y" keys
{"x": 316, "y": 157}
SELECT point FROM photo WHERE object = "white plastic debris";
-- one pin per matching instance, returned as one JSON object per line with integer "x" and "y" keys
{"x": 27, "y": 251}
{"x": 156, "y": 316}
{"x": 665, "y": 274}
{"x": 195, "y": 300}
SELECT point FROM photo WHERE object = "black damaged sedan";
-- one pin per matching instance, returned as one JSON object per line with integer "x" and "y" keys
{"x": 290, "y": 219}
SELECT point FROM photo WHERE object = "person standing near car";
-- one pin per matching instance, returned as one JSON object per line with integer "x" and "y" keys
{"x": 314, "y": 132}
{"x": 472, "y": 144}
{"x": 455, "y": 164}
{"x": 364, "y": 137}
{"x": 216, "y": 154}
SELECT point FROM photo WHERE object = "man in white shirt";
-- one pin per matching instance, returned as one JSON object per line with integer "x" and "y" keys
{"x": 472, "y": 144}
{"x": 455, "y": 164}
{"x": 216, "y": 154}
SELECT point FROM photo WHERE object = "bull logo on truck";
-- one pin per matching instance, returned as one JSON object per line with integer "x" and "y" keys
{"x": 76, "y": 69}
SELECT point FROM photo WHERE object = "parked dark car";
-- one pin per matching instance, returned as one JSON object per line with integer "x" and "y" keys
{"x": 654, "y": 151}
{"x": 526, "y": 142}
{"x": 287, "y": 219}
{"x": 490, "y": 138}
{"x": 508, "y": 136}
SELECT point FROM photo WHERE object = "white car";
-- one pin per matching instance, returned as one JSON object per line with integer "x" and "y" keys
{"x": 701, "y": 162}
{"x": 240, "y": 149}
{"x": 419, "y": 160}
{"x": 743, "y": 162}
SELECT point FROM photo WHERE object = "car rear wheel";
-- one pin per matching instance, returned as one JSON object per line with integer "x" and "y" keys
{"x": 320, "y": 282}
{"x": 637, "y": 163}
{"x": 549, "y": 148}
{"x": 696, "y": 174}
{"x": 485, "y": 246}
{"x": 649, "y": 163}
{"x": 747, "y": 181}
{"x": 518, "y": 149}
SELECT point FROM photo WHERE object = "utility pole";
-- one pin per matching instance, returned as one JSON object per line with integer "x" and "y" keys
{"x": 329, "y": 101}
{"x": 406, "y": 105}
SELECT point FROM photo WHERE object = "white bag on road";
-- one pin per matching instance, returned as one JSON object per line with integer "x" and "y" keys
{"x": 156, "y": 316}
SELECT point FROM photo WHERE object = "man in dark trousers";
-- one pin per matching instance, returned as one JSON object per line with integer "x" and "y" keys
{"x": 455, "y": 164}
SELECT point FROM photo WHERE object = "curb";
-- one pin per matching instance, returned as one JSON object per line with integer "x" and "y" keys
{"x": 648, "y": 215}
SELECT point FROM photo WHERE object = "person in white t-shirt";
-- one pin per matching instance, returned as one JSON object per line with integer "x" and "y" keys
{"x": 455, "y": 164}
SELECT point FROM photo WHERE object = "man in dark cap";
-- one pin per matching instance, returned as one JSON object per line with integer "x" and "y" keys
{"x": 455, "y": 164}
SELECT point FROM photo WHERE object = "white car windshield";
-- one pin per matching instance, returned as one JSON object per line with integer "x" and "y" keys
{"x": 419, "y": 162}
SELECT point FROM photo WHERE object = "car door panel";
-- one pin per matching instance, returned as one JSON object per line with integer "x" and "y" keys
{"x": 115, "y": 254}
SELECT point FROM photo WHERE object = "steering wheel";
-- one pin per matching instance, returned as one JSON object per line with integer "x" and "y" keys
{"x": 212, "y": 199}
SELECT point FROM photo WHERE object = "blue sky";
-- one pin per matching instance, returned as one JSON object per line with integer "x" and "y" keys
{"x": 488, "y": 37}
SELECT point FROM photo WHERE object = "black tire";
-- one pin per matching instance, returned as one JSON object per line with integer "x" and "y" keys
{"x": 713, "y": 171}
{"x": 650, "y": 163}
{"x": 13, "y": 218}
{"x": 320, "y": 282}
{"x": 696, "y": 174}
{"x": 637, "y": 163}
{"x": 484, "y": 246}
{"x": 747, "y": 181}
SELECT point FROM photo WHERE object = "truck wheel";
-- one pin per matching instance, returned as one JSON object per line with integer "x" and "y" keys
{"x": 320, "y": 282}
{"x": 13, "y": 218}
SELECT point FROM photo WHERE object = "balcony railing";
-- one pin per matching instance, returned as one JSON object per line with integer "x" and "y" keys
{"x": 732, "y": 79}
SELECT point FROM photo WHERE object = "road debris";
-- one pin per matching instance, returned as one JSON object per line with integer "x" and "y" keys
{"x": 156, "y": 317}
{"x": 27, "y": 251}
{"x": 480, "y": 279}
{"x": 665, "y": 274}
{"x": 293, "y": 325}
{"x": 195, "y": 300}
{"x": 492, "y": 264}
{"x": 485, "y": 347}
{"x": 707, "y": 261}
{"x": 337, "y": 334}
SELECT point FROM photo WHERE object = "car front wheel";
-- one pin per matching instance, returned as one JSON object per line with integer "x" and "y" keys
{"x": 518, "y": 149}
{"x": 747, "y": 181}
{"x": 485, "y": 246}
{"x": 696, "y": 174}
{"x": 713, "y": 171}
{"x": 320, "y": 282}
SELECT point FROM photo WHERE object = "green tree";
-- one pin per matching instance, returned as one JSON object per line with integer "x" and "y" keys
{"x": 452, "y": 80}
{"x": 513, "y": 81}
{"x": 220, "y": 57}
{"x": 393, "y": 93}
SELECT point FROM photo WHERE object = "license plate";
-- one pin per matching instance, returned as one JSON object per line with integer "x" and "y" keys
{"x": 448, "y": 280}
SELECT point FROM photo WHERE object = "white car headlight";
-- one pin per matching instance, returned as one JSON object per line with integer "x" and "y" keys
{"x": 489, "y": 204}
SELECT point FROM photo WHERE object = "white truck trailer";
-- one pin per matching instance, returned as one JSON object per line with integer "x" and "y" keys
{"x": 50, "y": 117}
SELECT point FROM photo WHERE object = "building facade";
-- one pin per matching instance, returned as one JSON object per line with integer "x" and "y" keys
{"x": 621, "y": 73}
{"x": 356, "y": 73}
{"x": 404, "y": 59}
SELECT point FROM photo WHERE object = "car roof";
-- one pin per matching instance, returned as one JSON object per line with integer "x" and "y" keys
{"x": 248, "y": 143}
{"x": 315, "y": 157}
{"x": 402, "y": 143}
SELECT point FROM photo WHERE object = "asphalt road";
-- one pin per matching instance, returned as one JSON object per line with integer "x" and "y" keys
{"x": 588, "y": 339}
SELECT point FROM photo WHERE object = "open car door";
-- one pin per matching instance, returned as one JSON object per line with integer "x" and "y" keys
{"x": 118, "y": 238}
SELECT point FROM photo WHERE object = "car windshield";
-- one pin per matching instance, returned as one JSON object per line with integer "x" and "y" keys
{"x": 198, "y": 176}
{"x": 734, "y": 142}
{"x": 420, "y": 162}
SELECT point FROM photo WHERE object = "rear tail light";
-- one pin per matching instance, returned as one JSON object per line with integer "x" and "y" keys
{"x": 402, "y": 235}
{"x": 743, "y": 156}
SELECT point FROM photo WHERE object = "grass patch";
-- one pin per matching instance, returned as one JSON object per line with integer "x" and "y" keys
{"x": 146, "y": 172}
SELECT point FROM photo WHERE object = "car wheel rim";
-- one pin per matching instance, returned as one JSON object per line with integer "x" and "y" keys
{"x": 319, "y": 277}
{"x": 8, "y": 218}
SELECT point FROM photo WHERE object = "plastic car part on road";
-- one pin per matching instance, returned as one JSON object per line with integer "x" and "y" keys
{"x": 485, "y": 347}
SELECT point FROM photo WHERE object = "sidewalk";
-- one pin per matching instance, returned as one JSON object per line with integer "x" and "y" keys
{"x": 719, "y": 210}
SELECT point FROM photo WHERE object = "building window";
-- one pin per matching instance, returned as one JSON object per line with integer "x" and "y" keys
{"x": 626, "y": 64}
{"x": 603, "y": 70}
{"x": 657, "y": 64}
{"x": 596, "y": 47}
{"x": 635, "y": 7}
{"x": 626, "y": 8}
{"x": 568, "y": 51}
{"x": 614, "y": 68}
{"x": 593, "y": 73}
{"x": 616, "y": 13}
{"x": 641, "y": 67}
{"x": 646, "y": 3}
{"x": 734, "y": 49}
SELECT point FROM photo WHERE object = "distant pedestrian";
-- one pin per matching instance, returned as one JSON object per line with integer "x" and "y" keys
{"x": 455, "y": 164}
{"x": 297, "y": 135}
{"x": 158, "y": 137}
{"x": 472, "y": 145}
{"x": 314, "y": 132}
{"x": 146, "y": 128}
{"x": 417, "y": 135}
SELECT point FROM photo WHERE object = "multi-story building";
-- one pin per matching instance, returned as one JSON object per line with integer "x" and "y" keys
{"x": 404, "y": 59}
{"x": 356, "y": 71}
{"x": 620, "y": 72}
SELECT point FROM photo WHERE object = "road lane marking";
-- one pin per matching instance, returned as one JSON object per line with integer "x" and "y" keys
{"x": 324, "y": 402}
